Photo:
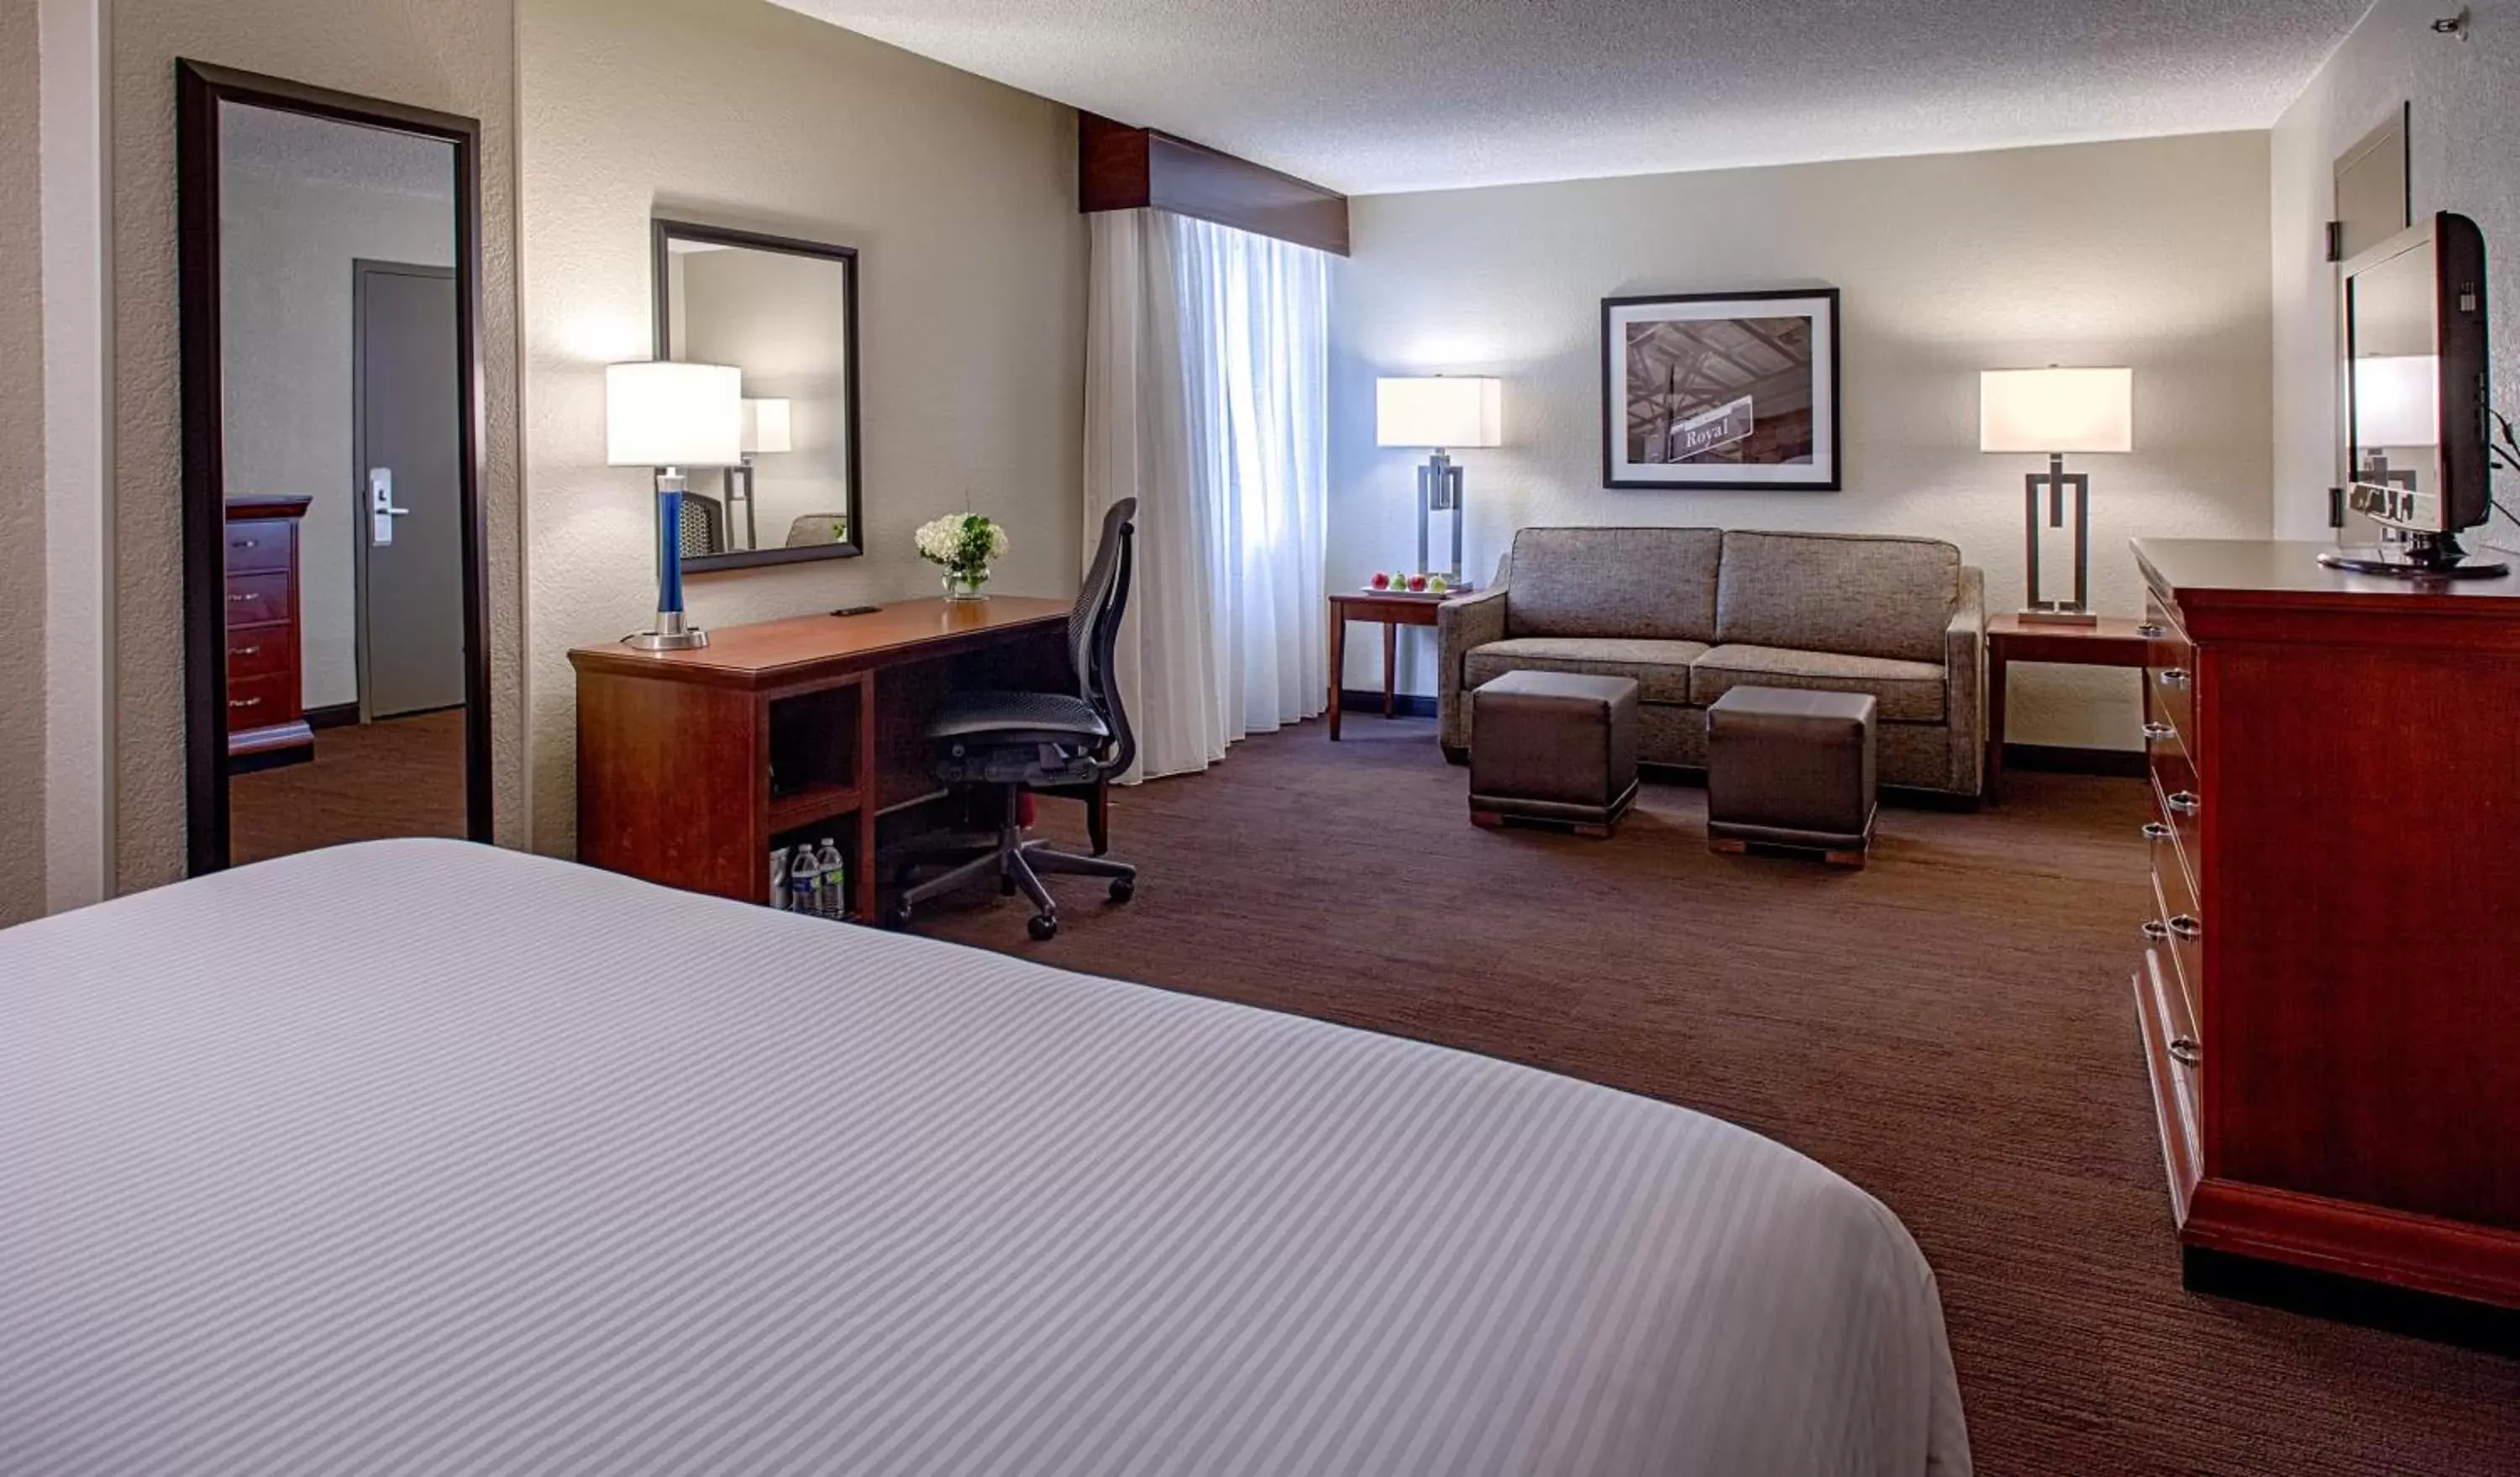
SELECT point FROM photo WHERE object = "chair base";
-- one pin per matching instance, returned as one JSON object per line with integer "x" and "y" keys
{"x": 1017, "y": 865}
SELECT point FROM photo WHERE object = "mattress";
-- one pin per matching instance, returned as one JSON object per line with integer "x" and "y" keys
{"x": 418, "y": 1156}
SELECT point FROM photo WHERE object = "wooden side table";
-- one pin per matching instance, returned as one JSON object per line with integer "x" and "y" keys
{"x": 2115, "y": 642}
{"x": 1389, "y": 608}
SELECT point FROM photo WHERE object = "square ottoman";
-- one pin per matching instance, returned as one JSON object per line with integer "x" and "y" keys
{"x": 1553, "y": 746}
{"x": 1786, "y": 766}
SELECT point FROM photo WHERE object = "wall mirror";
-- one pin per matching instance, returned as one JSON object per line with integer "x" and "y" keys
{"x": 785, "y": 313}
{"x": 337, "y": 678}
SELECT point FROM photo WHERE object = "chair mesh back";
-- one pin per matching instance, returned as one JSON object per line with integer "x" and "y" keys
{"x": 702, "y": 526}
{"x": 1094, "y": 626}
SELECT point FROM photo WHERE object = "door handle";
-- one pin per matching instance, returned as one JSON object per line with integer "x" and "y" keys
{"x": 381, "y": 510}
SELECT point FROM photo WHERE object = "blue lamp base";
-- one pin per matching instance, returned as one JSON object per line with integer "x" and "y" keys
{"x": 672, "y": 631}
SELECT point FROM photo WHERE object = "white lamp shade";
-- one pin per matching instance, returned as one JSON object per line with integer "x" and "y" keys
{"x": 2397, "y": 401}
{"x": 1443, "y": 411}
{"x": 2056, "y": 409}
{"x": 669, "y": 414}
{"x": 765, "y": 426}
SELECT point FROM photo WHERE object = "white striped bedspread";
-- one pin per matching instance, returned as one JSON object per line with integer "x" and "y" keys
{"x": 419, "y": 1157}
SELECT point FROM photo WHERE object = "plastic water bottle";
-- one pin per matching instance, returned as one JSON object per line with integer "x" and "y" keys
{"x": 833, "y": 880}
{"x": 779, "y": 877}
{"x": 801, "y": 881}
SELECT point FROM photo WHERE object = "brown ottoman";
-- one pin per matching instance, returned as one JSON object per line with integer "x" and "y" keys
{"x": 1553, "y": 746}
{"x": 1791, "y": 768}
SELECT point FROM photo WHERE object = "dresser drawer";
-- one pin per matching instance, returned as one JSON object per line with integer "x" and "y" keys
{"x": 259, "y": 545}
{"x": 2177, "y": 930}
{"x": 258, "y": 599}
{"x": 263, "y": 650}
{"x": 261, "y": 702}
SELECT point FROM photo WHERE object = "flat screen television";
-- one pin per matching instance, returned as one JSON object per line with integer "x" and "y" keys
{"x": 2416, "y": 426}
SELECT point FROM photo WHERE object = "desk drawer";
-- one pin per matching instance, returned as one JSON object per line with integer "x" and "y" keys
{"x": 261, "y": 702}
{"x": 256, "y": 600}
{"x": 2177, "y": 930}
{"x": 264, "y": 651}
{"x": 259, "y": 545}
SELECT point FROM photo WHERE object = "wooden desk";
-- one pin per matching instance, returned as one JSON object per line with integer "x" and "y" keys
{"x": 1391, "y": 609}
{"x": 692, "y": 765}
{"x": 2114, "y": 643}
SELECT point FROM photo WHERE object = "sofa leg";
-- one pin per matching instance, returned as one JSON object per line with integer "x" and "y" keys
{"x": 1852, "y": 860}
{"x": 1487, "y": 820}
{"x": 1723, "y": 846}
{"x": 1456, "y": 753}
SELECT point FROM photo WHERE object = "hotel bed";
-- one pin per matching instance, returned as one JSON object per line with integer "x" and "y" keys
{"x": 422, "y": 1157}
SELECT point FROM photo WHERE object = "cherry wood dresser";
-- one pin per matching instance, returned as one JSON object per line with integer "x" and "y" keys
{"x": 266, "y": 692}
{"x": 2329, "y": 987}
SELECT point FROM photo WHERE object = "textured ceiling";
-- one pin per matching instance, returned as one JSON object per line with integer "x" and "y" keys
{"x": 1368, "y": 96}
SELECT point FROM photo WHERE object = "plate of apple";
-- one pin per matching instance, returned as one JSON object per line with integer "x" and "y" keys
{"x": 1393, "y": 582}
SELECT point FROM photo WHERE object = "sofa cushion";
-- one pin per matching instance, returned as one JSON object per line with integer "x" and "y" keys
{"x": 1651, "y": 582}
{"x": 1658, "y": 668}
{"x": 1906, "y": 691}
{"x": 1889, "y": 597}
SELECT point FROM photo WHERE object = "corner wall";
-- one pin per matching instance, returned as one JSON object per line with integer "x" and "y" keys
{"x": 959, "y": 194}
{"x": 21, "y": 502}
{"x": 2463, "y": 138}
{"x": 2151, "y": 253}
{"x": 452, "y": 56}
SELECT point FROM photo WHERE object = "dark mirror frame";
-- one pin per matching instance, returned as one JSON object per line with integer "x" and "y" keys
{"x": 664, "y": 231}
{"x": 199, "y": 89}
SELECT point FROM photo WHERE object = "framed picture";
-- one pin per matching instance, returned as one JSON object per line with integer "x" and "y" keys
{"x": 1721, "y": 389}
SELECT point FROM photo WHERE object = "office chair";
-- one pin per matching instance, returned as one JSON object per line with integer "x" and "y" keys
{"x": 704, "y": 529}
{"x": 1042, "y": 741}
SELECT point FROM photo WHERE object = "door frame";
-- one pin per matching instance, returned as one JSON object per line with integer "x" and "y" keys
{"x": 361, "y": 269}
{"x": 199, "y": 89}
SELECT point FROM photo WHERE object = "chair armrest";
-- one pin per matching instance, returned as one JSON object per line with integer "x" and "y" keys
{"x": 1964, "y": 676}
{"x": 1461, "y": 626}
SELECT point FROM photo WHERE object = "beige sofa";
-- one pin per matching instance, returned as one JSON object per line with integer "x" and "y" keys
{"x": 1689, "y": 613}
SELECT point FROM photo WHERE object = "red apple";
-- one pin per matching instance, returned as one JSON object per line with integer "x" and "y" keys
{"x": 1418, "y": 584}
{"x": 1382, "y": 581}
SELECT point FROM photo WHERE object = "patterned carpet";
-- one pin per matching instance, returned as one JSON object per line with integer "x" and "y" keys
{"x": 1950, "y": 1028}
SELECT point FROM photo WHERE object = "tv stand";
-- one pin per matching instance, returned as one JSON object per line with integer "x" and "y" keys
{"x": 2426, "y": 555}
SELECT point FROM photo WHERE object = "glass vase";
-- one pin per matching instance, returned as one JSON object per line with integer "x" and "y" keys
{"x": 966, "y": 584}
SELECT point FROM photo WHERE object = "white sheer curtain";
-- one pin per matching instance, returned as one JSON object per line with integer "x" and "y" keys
{"x": 1206, "y": 389}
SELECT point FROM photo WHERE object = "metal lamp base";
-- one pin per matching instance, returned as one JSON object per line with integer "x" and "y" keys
{"x": 2051, "y": 615}
{"x": 673, "y": 633}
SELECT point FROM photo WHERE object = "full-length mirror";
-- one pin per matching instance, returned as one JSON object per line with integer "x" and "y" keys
{"x": 784, "y": 312}
{"x": 332, "y": 474}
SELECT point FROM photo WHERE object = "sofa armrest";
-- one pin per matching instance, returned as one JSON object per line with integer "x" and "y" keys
{"x": 1463, "y": 625}
{"x": 1964, "y": 673}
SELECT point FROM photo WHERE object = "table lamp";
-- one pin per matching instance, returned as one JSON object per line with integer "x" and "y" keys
{"x": 671, "y": 416}
{"x": 2057, "y": 411}
{"x": 1439, "y": 413}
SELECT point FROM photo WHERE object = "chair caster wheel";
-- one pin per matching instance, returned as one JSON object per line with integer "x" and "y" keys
{"x": 899, "y": 917}
{"x": 1123, "y": 889}
{"x": 1043, "y": 929}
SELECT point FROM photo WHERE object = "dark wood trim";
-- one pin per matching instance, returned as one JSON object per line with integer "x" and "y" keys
{"x": 1123, "y": 168}
{"x": 1614, "y": 402}
{"x": 338, "y": 715}
{"x": 664, "y": 230}
{"x": 200, "y": 90}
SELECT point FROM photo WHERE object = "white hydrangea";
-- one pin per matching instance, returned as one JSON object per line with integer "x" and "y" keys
{"x": 960, "y": 541}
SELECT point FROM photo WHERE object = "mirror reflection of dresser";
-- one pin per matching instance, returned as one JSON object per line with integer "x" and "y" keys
{"x": 785, "y": 312}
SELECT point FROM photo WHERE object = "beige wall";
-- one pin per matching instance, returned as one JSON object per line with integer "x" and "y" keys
{"x": 2150, "y": 253}
{"x": 454, "y": 55}
{"x": 2463, "y": 139}
{"x": 959, "y": 195}
{"x": 22, "y": 494}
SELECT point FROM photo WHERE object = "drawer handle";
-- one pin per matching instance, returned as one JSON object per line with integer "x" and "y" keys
{"x": 244, "y": 703}
{"x": 246, "y": 651}
{"x": 2186, "y": 926}
{"x": 2157, "y": 732}
{"x": 2184, "y": 802}
{"x": 247, "y": 544}
{"x": 2175, "y": 677}
{"x": 238, "y": 600}
{"x": 2156, "y": 931}
{"x": 2152, "y": 630}
{"x": 2185, "y": 1050}
{"x": 2154, "y": 830}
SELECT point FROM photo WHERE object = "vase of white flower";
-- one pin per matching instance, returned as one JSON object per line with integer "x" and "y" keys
{"x": 964, "y": 542}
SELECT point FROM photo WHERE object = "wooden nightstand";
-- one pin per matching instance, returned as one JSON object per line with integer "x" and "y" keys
{"x": 1389, "y": 608}
{"x": 2115, "y": 642}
